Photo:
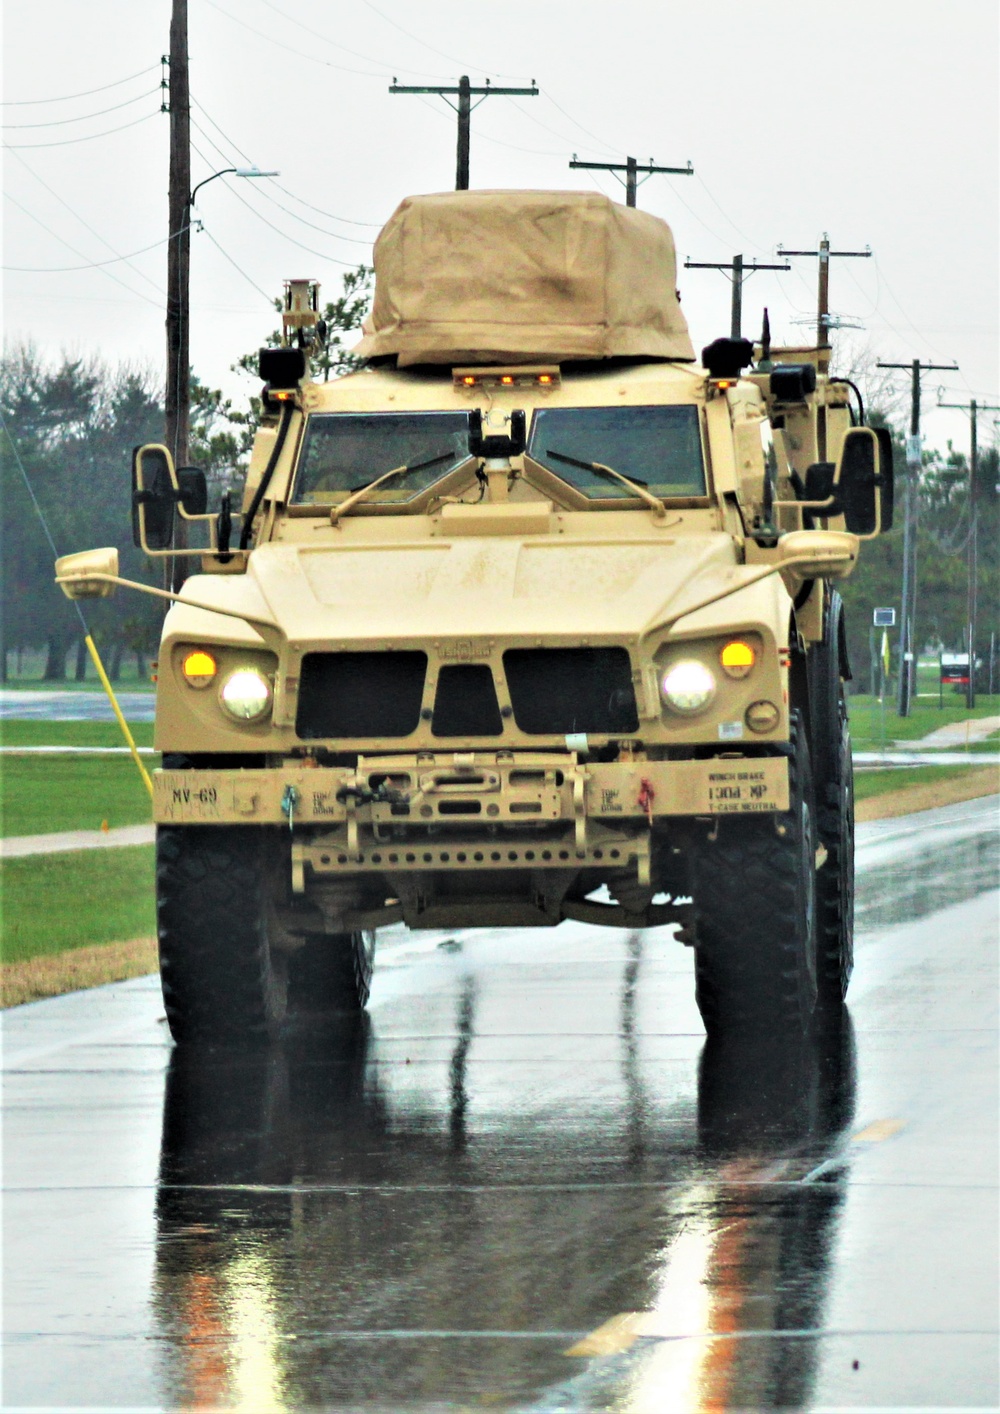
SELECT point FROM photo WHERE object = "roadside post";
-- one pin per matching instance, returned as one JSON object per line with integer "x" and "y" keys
{"x": 884, "y": 619}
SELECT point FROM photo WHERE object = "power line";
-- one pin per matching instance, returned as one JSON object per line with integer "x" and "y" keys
{"x": 333, "y": 42}
{"x": 83, "y": 117}
{"x": 823, "y": 321}
{"x": 322, "y": 255}
{"x": 600, "y": 141}
{"x": 740, "y": 273}
{"x": 729, "y": 220}
{"x": 907, "y": 631}
{"x": 496, "y": 141}
{"x": 439, "y": 52}
{"x": 632, "y": 168}
{"x": 62, "y": 241}
{"x": 300, "y": 53}
{"x": 68, "y": 97}
{"x": 463, "y": 92}
{"x": 919, "y": 332}
{"x": 68, "y": 142}
{"x": 691, "y": 212}
{"x": 526, "y": 113}
{"x": 334, "y": 235}
{"x": 373, "y": 225}
{"x": 76, "y": 215}
{"x": 90, "y": 265}
{"x": 238, "y": 268}
{"x": 972, "y": 545}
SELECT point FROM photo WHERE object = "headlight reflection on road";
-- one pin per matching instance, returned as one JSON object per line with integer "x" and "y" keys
{"x": 256, "y": 1377}
{"x": 672, "y": 1376}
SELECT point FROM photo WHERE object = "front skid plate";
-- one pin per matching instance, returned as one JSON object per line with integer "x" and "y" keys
{"x": 473, "y": 789}
{"x": 330, "y": 852}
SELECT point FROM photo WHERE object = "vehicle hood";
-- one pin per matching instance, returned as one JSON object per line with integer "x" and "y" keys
{"x": 468, "y": 587}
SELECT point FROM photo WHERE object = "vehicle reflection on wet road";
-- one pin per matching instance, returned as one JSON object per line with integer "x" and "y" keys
{"x": 526, "y": 1182}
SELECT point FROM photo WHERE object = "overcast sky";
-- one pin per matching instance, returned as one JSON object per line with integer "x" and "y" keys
{"x": 876, "y": 122}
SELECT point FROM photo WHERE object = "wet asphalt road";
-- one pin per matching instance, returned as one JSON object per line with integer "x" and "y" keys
{"x": 527, "y": 1184}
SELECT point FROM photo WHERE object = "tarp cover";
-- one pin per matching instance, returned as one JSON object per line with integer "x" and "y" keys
{"x": 518, "y": 276}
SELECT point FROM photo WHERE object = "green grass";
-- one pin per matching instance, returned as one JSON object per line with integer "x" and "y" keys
{"x": 44, "y": 794}
{"x": 54, "y": 902}
{"x": 880, "y": 782}
{"x": 866, "y": 717}
{"x": 19, "y": 732}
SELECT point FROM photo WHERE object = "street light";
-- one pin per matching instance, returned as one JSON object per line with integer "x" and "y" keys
{"x": 178, "y": 315}
{"x": 178, "y": 389}
{"x": 230, "y": 172}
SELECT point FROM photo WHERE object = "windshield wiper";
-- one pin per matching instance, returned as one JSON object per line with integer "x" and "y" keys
{"x": 638, "y": 488}
{"x": 363, "y": 492}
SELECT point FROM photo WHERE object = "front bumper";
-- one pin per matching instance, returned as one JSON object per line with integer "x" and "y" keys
{"x": 473, "y": 791}
{"x": 429, "y": 816}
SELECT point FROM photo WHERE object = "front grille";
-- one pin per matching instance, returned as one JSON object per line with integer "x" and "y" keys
{"x": 466, "y": 702}
{"x": 360, "y": 694}
{"x": 556, "y": 691}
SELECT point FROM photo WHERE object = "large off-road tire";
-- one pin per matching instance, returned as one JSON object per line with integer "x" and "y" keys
{"x": 834, "y": 792}
{"x": 330, "y": 976}
{"x": 835, "y": 885}
{"x": 223, "y": 983}
{"x": 755, "y": 914}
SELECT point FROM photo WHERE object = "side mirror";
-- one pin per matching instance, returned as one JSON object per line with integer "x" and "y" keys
{"x": 886, "y": 482}
{"x": 154, "y": 494}
{"x": 864, "y": 483}
{"x": 73, "y": 573}
{"x": 192, "y": 491}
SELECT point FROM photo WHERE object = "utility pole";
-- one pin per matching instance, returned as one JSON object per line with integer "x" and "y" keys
{"x": 741, "y": 271}
{"x": 908, "y": 613}
{"x": 823, "y": 321}
{"x": 177, "y": 397}
{"x": 631, "y": 168}
{"x": 464, "y": 109}
{"x": 973, "y": 409}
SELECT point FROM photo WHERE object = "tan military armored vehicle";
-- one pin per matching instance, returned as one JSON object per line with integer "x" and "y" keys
{"x": 533, "y": 618}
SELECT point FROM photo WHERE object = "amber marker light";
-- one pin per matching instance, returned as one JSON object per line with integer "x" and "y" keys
{"x": 507, "y": 380}
{"x": 545, "y": 378}
{"x": 199, "y": 668}
{"x": 469, "y": 381}
{"x": 737, "y": 658}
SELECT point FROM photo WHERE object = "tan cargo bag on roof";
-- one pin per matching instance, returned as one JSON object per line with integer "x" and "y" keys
{"x": 519, "y": 276}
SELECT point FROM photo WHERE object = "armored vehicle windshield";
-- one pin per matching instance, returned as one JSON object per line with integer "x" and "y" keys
{"x": 657, "y": 447}
{"x": 344, "y": 451}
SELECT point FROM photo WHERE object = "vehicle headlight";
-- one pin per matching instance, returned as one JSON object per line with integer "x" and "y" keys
{"x": 688, "y": 686}
{"x": 246, "y": 694}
